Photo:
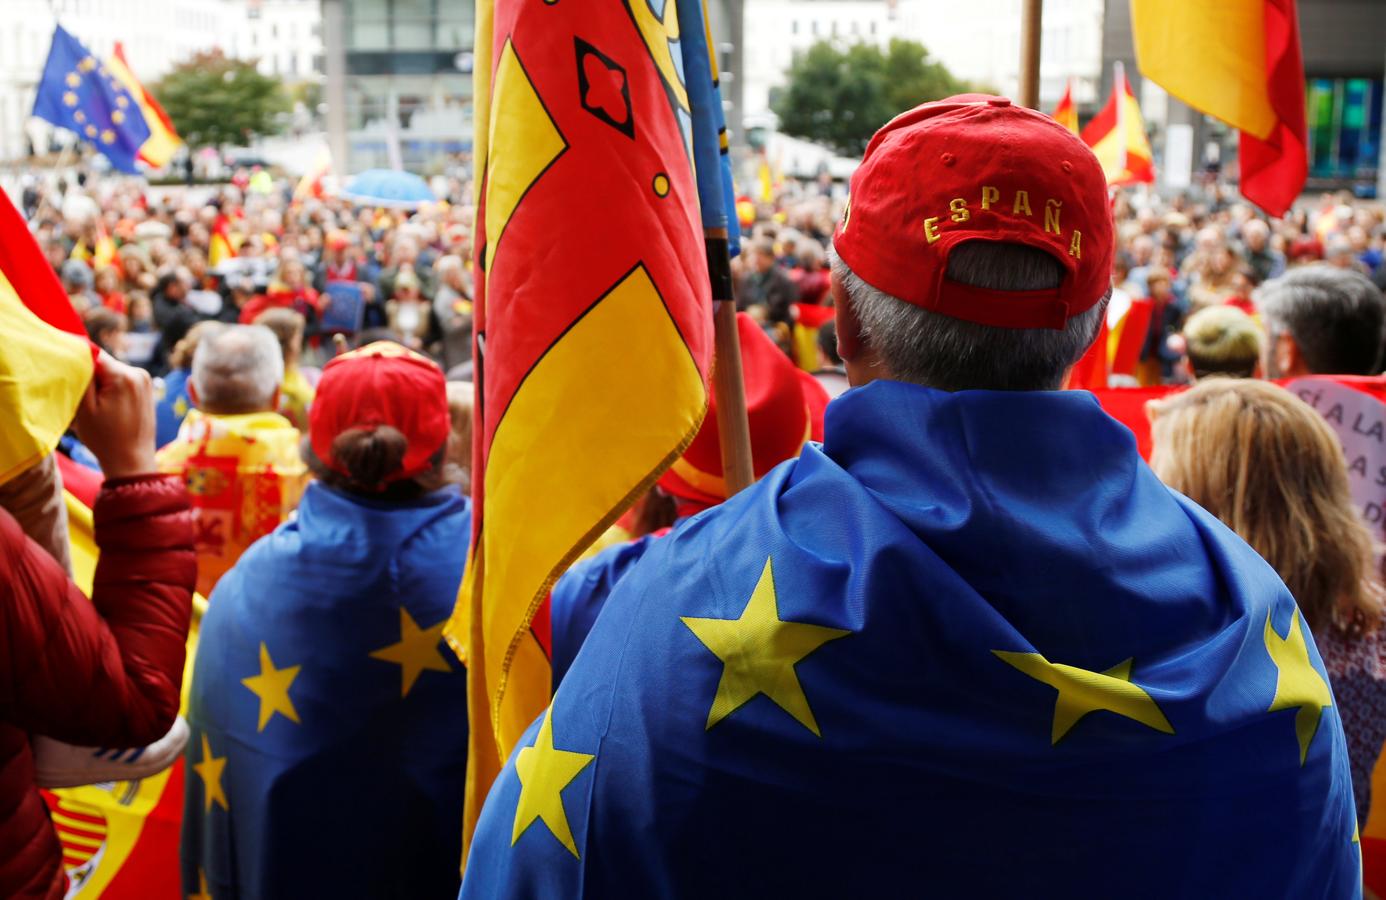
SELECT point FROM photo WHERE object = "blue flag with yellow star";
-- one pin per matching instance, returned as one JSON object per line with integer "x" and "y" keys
{"x": 79, "y": 93}
{"x": 968, "y": 647}
{"x": 329, "y": 720}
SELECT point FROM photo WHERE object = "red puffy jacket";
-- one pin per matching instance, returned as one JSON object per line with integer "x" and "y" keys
{"x": 100, "y": 673}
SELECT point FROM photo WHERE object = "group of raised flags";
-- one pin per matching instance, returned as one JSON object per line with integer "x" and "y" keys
{"x": 1236, "y": 60}
{"x": 104, "y": 104}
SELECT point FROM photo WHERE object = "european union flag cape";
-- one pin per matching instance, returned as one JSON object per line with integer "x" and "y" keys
{"x": 970, "y": 647}
{"x": 329, "y": 726}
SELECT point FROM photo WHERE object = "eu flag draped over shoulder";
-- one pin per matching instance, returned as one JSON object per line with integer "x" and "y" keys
{"x": 600, "y": 172}
{"x": 78, "y": 92}
{"x": 969, "y": 647}
{"x": 328, "y": 748}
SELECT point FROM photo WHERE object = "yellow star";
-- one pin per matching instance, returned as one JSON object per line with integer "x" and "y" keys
{"x": 1082, "y": 692}
{"x": 87, "y": 64}
{"x": 91, "y": 131}
{"x": 73, "y": 79}
{"x": 544, "y": 772}
{"x": 202, "y": 892}
{"x": 759, "y": 652}
{"x": 79, "y": 116}
{"x": 272, "y": 687}
{"x": 117, "y": 116}
{"x": 70, "y": 98}
{"x": 122, "y": 103}
{"x": 108, "y": 136}
{"x": 1297, "y": 682}
{"x": 417, "y": 650}
{"x": 209, "y": 770}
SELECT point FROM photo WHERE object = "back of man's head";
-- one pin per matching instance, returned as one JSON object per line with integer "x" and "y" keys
{"x": 976, "y": 251}
{"x": 237, "y": 369}
{"x": 1334, "y": 316}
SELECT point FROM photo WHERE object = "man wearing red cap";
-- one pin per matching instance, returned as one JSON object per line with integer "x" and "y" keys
{"x": 785, "y": 410}
{"x": 970, "y": 646}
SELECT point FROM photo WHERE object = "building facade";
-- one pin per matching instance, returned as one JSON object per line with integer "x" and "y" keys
{"x": 399, "y": 81}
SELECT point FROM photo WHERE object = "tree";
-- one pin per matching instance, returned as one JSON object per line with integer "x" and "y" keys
{"x": 215, "y": 100}
{"x": 839, "y": 95}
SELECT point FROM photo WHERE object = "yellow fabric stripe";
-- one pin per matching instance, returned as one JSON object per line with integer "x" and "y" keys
{"x": 1211, "y": 55}
{"x": 161, "y": 144}
{"x": 43, "y": 374}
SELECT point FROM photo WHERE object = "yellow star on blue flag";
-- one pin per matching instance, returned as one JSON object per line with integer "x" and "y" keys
{"x": 79, "y": 94}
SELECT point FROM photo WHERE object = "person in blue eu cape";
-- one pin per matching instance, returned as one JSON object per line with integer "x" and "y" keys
{"x": 784, "y": 407}
{"x": 970, "y": 646}
{"x": 329, "y": 734}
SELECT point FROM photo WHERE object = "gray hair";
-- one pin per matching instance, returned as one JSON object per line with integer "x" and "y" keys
{"x": 236, "y": 369}
{"x": 942, "y": 352}
{"x": 1335, "y": 317}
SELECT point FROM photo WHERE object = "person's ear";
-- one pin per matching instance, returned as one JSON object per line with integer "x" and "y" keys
{"x": 849, "y": 342}
{"x": 274, "y": 399}
{"x": 1289, "y": 361}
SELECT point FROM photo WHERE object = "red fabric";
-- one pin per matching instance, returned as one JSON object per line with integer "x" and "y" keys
{"x": 382, "y": 384}
{"x": 1133, "y": 335}
{"x": 1090, "y": 373}
{"x": 100, "y": 673}
{"x": 1274, "y": 170}
{"x": 32, "y": 278}
{"x": 78, "y": 480}
{"x": 784, "y": 408}
{"x": 1127, "y": 406}
{"x": 975, "y": 167}
{"x": 814, "y": 316}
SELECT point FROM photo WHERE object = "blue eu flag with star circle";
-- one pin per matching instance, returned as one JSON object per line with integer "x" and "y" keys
{"x": 79, "y": 93}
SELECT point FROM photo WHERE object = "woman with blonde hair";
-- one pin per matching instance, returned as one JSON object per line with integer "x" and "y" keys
{"x": 1261, "y": 460}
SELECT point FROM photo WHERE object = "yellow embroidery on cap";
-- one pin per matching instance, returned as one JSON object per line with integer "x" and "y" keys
{"x": 959, "y": 208}
{"x": 931, "y": 229}
{"x": 989, "y": 196}
{"x": 1075, "y": 246}
{"x": 1052, "y": 208}
{"x": 1022, "y": 201}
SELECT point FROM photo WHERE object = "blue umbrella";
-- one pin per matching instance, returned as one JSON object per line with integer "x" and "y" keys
{"x": 387, "y": 187}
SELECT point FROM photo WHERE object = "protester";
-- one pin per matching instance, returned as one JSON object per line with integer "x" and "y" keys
{"x": 237, "y": 455}
{"x": 452, "y": 308}
{"x": 973, "y": 600}
{"x": 295, "y": 394}
{"x": 104, "y": 672}
{"x": 172, "y": 400}
{"x": 106, "y": 329}
{"x": 785, "y": 411}
{"x": 769, "y": 292}
{"x": 77, "y": 282}
{"x": 1222, "y": 340}
{"x": 1321, "y": 320}
{"x": 329, "y": 720}
{"x": 1267, "y": 465}
{"x": 461, "y": 395}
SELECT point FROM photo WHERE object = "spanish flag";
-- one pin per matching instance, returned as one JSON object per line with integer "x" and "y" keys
{"x": 163, "y": 139}
{"x": 1066, "y": 114}
{"x": 222, "y": 246}
{"x": 1240, "y": 61}
{"x": 1117, "y": 136}
{"x": 120, "y": 840}
{"x": 47, "y": 360}
{"x": 593, "y": 340}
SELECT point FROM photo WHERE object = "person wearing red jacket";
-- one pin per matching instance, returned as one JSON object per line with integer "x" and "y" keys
{"x": 104, "y": 672}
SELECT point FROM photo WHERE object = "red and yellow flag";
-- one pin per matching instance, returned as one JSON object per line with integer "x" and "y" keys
{"x": 1117, "y": 136}
{"x": 222, "y": 247}
{"x": 1240, "y": 61}
{"x": 163, "y": 140}
{"x": 47, "y": 360}
{"x": 1066, "y": 114}
{"x": 120, "y": 839}
{"x": 593, "y": 321}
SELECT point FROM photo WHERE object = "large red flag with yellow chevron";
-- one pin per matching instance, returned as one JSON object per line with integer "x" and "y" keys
{"x": 593, "y": 317}
{"x": 47, "y": 361}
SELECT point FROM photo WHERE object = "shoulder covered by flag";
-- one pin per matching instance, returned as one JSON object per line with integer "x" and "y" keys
{"x": 1125, "y": 701}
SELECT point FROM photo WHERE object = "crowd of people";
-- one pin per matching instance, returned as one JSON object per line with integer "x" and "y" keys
{"x": 309, "y": 408}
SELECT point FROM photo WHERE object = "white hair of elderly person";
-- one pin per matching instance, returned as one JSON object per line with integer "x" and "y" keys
{"x": 237, "y": 369}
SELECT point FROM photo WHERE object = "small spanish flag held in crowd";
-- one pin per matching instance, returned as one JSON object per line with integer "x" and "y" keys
{"x": 48, "y": 360}
{"x": 222, "y": 246}
{"x": 593, "y": 367}
{"x": 1117, "y": 136}
{"x": 1239, "y": 61}
{"x": 163, "y": 139}
{"x": 1066, "y": 113}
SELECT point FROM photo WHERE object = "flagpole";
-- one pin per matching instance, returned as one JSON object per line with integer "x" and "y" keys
{"x": 1031, "y": 15}
{"x": 728, "y": 383}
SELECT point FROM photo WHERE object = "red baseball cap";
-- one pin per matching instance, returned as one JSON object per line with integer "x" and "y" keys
{"x": 978, "y": 168}
{"x": 785, "y": 407}
{"x": 382, "y": 383}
